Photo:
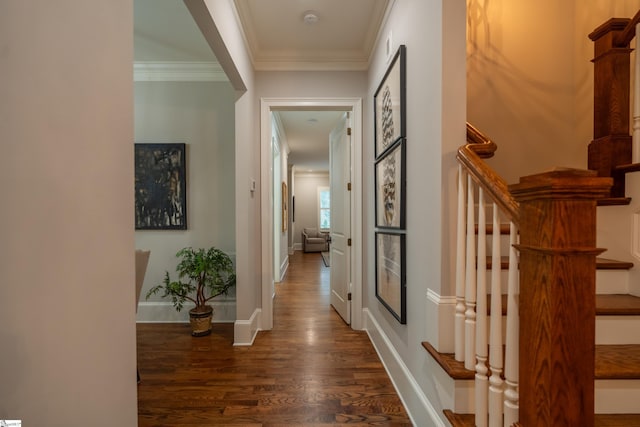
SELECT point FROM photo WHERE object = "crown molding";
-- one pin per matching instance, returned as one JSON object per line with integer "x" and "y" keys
{"x": 178, "y": 71}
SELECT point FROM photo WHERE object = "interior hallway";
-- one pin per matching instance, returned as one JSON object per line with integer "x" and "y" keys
{"x": 312, "y": 369}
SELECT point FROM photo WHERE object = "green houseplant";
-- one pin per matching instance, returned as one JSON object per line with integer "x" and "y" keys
{"x": 203, "y": 274}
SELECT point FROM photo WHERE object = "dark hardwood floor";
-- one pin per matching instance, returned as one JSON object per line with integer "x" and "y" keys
{"x": 311, "y": 369}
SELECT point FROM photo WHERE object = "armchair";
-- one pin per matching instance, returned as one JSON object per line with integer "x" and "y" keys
{"x": 314, "y": 241}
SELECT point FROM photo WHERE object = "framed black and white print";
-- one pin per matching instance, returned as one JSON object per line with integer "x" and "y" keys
{"x": 390, "y": 103}
{"x": 160, "y": 187}
{"x": 391, "y": 288}
{"x": 390, "y": 187}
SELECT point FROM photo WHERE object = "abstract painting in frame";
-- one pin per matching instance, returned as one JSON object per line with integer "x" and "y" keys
{"x": 390, "y": 187}
{"x": 390, "y": 103}
{"x": 160, "y": 187}
{"x": 391, "y": 290}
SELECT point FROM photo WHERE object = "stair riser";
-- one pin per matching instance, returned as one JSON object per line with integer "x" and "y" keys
{"x": 618, "y": 330}
{"x": 612, "y": 282}
{"x": 609, "y": 329}
{"x": 617, "y": 396}
{"x": 607, "y": 281}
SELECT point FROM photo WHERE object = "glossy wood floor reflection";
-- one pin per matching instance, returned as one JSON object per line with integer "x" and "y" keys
{"x": 310, "y": 370}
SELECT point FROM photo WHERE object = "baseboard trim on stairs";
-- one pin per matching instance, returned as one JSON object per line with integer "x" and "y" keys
{"x": 419, "y": 408}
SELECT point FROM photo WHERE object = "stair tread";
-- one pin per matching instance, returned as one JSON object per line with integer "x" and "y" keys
{"x": 614, "y": 201}
{"x": 601, "y": 263}
{"x": 612, "y": 264}
{"x": 601, "y": 420}
{"x": 606, "y": 305}
{"x": 451, "y": 366}
{"x": 617, "y": 304}
{"x": 617, "y": 361}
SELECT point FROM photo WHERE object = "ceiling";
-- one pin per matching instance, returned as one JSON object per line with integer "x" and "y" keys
{"x": 342, "y": 38}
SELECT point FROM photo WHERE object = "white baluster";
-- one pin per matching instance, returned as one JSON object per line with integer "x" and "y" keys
{"x": 512, "y": 339}
{"x": 496, "y": 385}
{"x": 636, "y": 102}
{"x": 460, "y": 263}
{"x": 470, "y": 282}
{"x": 482, "y": 378}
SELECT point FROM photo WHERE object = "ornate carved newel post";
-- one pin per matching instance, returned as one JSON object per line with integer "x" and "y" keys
{"x": 611, "y": 145}
{"x": 557, "y": 296}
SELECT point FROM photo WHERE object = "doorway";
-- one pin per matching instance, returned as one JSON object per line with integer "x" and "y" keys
{"x": 269, "y": 105}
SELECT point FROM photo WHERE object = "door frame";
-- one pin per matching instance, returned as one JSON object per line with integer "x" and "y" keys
{"x": 267, "y": 105}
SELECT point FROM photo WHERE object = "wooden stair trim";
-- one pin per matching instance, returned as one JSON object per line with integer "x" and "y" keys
{"x": 451, "y": 366}
{"x": 601, "y": 420}
{"x": 611, "y": 264}
{"x": 606, "y": 305}
{"x": 601, "y": 264}
{"x": 614, "y": 201}
{"x": 618, "y": 362}
{"x": 617, "y": 305}
{"x": 459, "y": 420}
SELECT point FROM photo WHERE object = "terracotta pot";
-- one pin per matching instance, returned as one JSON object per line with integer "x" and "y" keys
{"x": 200, "y": 320}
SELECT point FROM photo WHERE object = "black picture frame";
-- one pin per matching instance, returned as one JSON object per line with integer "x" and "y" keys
{"x": 391, "y": 288}
{"x": 160, "y": 186}
{"x": 390, "y": 104}
{"x": 390, "y": 180}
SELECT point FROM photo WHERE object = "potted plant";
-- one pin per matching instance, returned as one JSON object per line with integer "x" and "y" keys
{"x": 202, "y": 275}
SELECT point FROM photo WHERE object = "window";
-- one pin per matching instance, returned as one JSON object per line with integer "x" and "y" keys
{"x": 324, "y": 208}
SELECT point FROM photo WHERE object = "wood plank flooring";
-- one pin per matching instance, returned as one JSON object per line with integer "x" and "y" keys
{"x": 311, "y": 369}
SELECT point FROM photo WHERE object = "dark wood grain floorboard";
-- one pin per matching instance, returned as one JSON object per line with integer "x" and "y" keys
{"x": 312, "y": 369}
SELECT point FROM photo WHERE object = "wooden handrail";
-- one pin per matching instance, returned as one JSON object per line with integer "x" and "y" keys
{"x": 480, "y": 147}
{"x": 623, "y": 39}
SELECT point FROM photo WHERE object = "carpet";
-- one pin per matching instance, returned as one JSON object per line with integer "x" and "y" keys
{"x": 325, "y": 258}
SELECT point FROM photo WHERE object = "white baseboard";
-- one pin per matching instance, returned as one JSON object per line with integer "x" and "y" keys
{"x": 297, "y": 246}
{"x": 420, "y": 410}
{"x": 283, "y": 268}
{"x": 245, "y": 331}
{"x": 164, "y": 312}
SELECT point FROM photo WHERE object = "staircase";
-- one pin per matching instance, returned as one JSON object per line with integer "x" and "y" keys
{"x": 550, "y": 335}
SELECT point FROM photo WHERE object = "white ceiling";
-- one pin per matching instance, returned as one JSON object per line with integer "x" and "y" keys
{"x": 278, "y": 39}
{"x": 341, "y": 39}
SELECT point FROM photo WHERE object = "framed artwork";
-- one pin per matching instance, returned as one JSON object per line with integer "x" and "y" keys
{"x": 391, "y": 288}
{"x": 285, "y": 206}
{"x": 390, "y": 103}
{"x": 160, "y": 187}
{"x": 390, "y": 187}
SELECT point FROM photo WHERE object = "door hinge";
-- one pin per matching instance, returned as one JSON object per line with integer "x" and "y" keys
{"x": 349, "y": 241}
{"x": 348, "y": 186}
{"x": 349, "y": 131}
{"x": 349, "y": 296}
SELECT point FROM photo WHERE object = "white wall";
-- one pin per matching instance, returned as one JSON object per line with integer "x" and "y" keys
{"x": 217, "y": 21}
{"x": 432, "y": 32}
{"x": 67, "y": 266}
{"x": 200, "y": 114}
{"x": 307, "y": 185}
{"x": 531, "y": 89}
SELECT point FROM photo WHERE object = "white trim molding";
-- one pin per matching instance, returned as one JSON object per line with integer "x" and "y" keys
{"x": 245, "y": 331}
{"x": 418, "y": 406}
{"x": 178, "y": 71}
{"x": 441, "y": 311}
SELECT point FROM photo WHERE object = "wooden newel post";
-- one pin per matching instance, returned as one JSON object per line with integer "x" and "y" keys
{"x": 557, "y": 296}
{"x": 611, "y": 145}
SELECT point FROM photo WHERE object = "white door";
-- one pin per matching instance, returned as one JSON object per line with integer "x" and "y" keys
{"x": 340, "y": 173}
